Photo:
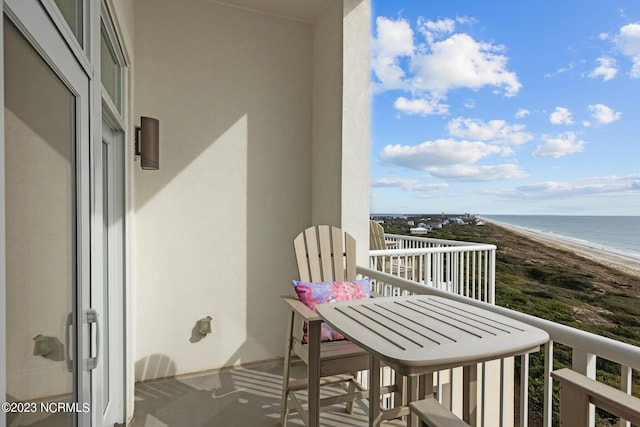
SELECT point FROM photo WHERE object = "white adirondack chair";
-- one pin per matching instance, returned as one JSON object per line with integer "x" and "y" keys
{"x": 385, "y": 263}
{"x": 324, "y": 254}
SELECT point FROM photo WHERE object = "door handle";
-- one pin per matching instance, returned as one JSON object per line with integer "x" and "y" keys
{"x": 92, "y": 319}
{"x": 67, "y": 342}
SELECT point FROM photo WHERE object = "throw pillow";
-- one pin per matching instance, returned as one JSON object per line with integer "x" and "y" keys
{"x": 312, "y": 294}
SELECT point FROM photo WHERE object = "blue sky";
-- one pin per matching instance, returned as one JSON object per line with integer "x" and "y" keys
{"x": 506, "y": 107}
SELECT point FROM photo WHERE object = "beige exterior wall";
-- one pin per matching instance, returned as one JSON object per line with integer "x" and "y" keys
{"x": 254, "y": 148}
{"x": 356, "y": 124}
{"x": 214, "y": 226}
{"x": 340, "y": 147}
{"x": 326, "y": 169}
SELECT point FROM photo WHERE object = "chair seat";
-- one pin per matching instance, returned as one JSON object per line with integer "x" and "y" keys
{"x": 340, "y": 349}
{"x": 337, "y": 357}
{"x": 433, "y": 414}
{"x": 342, "y": 356}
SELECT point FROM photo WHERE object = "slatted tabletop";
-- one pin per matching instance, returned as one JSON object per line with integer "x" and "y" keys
{"x": 424, "y": 333}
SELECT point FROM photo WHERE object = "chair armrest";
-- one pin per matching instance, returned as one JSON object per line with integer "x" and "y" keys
{"x": 305, "y": 312}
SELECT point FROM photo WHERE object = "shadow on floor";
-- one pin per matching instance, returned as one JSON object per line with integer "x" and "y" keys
{"x": 244, "y": 397}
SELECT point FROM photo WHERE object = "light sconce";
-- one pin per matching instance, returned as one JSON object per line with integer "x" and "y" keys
{"x": 148, "y": 143}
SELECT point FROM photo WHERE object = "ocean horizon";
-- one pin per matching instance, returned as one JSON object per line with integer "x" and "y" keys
{"x": 619, "y": 234}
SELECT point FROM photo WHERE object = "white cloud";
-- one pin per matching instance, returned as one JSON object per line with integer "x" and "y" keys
{"x": 497, "y": 131}
{"x": 562, "y": 70}
{"x": 444, "y": 61}
{"x": 470, "y": 103}
{"x": 436, "y": 29}
{"x": 633, "y": 177}
{"x": 407, "y": 184}
{"x": 423, "y": 107}
{"x": 561, "y": 116}
{"x": 394, "y": 40}
{"x": 522, "y": 113}
{"x": 628, "y": 41}
{"x": 603, "y": 114}
{"x": 563, "y": 190}
{"x": 443, "y": 152}
{"x": 460, "y": 61}
{"x": 607, "y": 69}
{"x": 563, "y": 144}
{"x": 467, "y": 173}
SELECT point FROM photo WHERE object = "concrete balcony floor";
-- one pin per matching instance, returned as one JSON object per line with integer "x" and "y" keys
{"x": 243, "y": 397}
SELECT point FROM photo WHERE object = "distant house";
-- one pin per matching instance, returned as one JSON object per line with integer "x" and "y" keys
{"x": 419, "y": 230}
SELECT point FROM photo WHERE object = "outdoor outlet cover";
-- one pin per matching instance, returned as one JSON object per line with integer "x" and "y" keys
{"x": 205, "y": 325}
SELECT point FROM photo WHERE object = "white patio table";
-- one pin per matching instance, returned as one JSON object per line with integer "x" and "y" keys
{"x": 422, "y": 334}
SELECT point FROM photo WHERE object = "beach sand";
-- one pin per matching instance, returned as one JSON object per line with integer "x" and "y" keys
{"x": 620, "y": 262}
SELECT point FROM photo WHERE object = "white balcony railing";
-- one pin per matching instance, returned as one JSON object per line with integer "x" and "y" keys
{"x": 586, "y": 349}
{"x": 462, "y": 268}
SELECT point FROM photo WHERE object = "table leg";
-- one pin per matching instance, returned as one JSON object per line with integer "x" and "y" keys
{"x": 426, "y": 386}
{"x": 314, "y": 374}
{"x": 412, "y": 396}
{"x": 375, "y": 414}
{"x": 470, "y": 394}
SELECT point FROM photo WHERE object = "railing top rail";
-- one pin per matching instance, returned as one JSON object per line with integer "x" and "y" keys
{"x": 440, "y": 249}
{"x": 615, "y": 351}
{"x": 430, "y": 240}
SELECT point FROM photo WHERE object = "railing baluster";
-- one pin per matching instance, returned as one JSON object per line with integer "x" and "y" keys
{"x": 626, "y": 385}
{"x": 524, "y": 390}
{"x": 548, "y": 385}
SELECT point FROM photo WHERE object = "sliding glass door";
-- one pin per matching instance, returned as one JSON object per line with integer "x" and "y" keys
{"x": 50, "y": 327}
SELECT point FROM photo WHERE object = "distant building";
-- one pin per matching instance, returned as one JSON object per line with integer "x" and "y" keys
{"x": 419, "y": 230}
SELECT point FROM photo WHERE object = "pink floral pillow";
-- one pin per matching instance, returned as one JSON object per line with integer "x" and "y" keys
{"x": 312, "y": 294}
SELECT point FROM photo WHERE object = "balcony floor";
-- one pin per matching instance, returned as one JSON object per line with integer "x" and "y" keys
{"x": 248, "y": 396}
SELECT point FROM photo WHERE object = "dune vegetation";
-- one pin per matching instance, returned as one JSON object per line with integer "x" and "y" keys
{"x": 564, "y": 287}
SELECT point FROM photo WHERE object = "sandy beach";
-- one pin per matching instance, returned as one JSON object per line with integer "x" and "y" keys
{"x": 627, "y": 264}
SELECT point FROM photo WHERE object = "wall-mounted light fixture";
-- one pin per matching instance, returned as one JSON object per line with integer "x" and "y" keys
{"x": 148, "y": 143}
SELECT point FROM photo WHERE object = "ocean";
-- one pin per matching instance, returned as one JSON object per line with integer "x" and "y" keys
{"x": 619, "y": 234}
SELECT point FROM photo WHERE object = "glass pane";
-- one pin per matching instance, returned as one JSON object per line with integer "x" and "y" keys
{"x": 106, "y": 219}
{"x": 110, "y": 70}
{"x": 39, "y": 113}
{"x": 72, "y": 12}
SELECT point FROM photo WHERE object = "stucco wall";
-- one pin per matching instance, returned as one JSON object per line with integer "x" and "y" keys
{"x": 340, "y": 170}
{"x": 356, "y": 124}
{"x": 214, "y": 226}
{"x": 327, "y": 118}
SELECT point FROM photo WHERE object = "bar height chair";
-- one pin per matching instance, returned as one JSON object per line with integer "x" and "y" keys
{"x": 323, "y": 254}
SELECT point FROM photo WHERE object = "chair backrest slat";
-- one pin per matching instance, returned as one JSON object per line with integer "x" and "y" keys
{"x": 325, "y": 254}
{"x": 350, "y": 257}
{"x": 376, "y": 236}
{"x": 300, "y": 247}
{"x": 337, "y": 254}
